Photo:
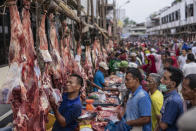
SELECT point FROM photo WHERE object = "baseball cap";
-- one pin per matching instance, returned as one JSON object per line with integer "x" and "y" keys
{"x": 103, "y": 65}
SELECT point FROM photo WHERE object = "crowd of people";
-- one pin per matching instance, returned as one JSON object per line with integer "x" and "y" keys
{"x": 160, "y": 78}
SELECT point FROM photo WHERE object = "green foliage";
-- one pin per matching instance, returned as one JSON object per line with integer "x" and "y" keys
{"x": 127, "y": 21}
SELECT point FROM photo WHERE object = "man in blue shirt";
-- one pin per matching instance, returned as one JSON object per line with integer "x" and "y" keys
{"x": 99, "y": 82}
{"x": 70, "y": 109}
{"x": 138, "y": 108}
{"x": 173, "y": 105}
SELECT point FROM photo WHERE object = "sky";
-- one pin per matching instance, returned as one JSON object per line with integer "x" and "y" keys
{"x": 139, "y": 10}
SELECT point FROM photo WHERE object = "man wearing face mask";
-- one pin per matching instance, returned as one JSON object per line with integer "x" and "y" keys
{"x": 173, "y": 105}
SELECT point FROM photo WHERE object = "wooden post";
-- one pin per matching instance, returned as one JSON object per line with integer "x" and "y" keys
{"x": 88, "y": 5}
{"x": 92, "y": 12}
{"x": 79, "y": 8}
{"x": 80, "y": 27}
{"x": 114, "y": 19}
{"x": 104, "y": 15}
{"x": 102, "y": 10}
{"x": 97, "y": 11}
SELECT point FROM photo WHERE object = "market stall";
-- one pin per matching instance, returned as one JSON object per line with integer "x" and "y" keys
{"x": 45, "y": 48}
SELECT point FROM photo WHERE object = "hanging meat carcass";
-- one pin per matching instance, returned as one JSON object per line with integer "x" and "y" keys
{"x": 26, "y": 22}
{"x": 97, "y": 54}
{"x": 110, "y": 30}
{"x": 105, "y": 55}
{"x": 46, "y": 89}
{"x": 23, "y": 77}
{"x": 14, "y": 90}
{"x": 83, "y": 74}
{"x": 65, "y": 52}
{"x": 57, "y": 65}
{"x": 71, "y": 64}
{"x": 88, "y": 63}
{"x": 43, "y": 41}
{"x": 110, "y": 46}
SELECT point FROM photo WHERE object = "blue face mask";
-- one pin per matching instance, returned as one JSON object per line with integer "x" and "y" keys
{"x": 163, "y": 88}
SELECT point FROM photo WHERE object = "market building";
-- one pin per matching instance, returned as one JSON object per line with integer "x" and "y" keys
{"x": 178, "y": 20}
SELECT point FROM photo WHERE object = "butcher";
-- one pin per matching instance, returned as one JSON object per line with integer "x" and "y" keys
{"x": 99, "y": 82}
{"x": 70, "y": 108}
{"x": 99, "y": 79}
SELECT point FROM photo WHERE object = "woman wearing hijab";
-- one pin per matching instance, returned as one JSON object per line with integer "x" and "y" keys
{"x": 150, "y": 67}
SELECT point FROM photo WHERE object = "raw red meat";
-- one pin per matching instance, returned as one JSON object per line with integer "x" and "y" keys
{"x": 65, "y": 49}
{"x": 16, "y": 53}
{"x": 102, "y": 114}
{"x": 110, "y": 30}
{"x": 43, "y": 41}
{"x": 113, "y": 79}
{"x": 53, "y": 34}
{"x": 24, "y": 75}
{"x": 98, "y": 126}
{"x": 88, "y": 63}
{"x": 25, "y": 91}
{"x": 105, "y": 56}
{"x": 111, "y": 101}
{"x": 57, "y": 65}
{"x": 97, "y": 54}
{"x": 46, "y": 78}
{"x": 26, "y": 22}
{"x": 109, "y": 46}
{"x": 82, "y": 72}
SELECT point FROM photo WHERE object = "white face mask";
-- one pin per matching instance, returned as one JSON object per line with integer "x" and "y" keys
{"x": 163, "y": 88}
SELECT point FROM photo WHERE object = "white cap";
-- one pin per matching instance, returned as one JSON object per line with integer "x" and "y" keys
{"x": 133, "y": 54}
{"x": 103, "y": 65}
{"x": 131, "y": 64}
{"x": 153, "y": 50}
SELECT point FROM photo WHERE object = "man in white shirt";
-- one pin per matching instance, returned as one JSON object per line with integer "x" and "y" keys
{"x": 190, "y": 67}
{"x": 182, "y": 59}
{"x": 194, "y": 50}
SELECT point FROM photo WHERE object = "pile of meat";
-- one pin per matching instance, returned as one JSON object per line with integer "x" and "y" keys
{"x": 113, "y": 79}
{"x": 110, "y": 100}
{"x": 104, "y": 114}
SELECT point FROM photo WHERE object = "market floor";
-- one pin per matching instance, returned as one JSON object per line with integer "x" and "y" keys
{"x": 3, "y": 74}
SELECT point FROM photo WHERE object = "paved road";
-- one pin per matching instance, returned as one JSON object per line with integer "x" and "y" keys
{"x": 4, "y": 108}
{"x": 5, "y": 115}
{"x": 3, "y": 72}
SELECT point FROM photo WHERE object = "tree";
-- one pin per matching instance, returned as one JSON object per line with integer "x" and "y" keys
{"x": 128, "y": 22}
{"x": 132, "y": 22}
